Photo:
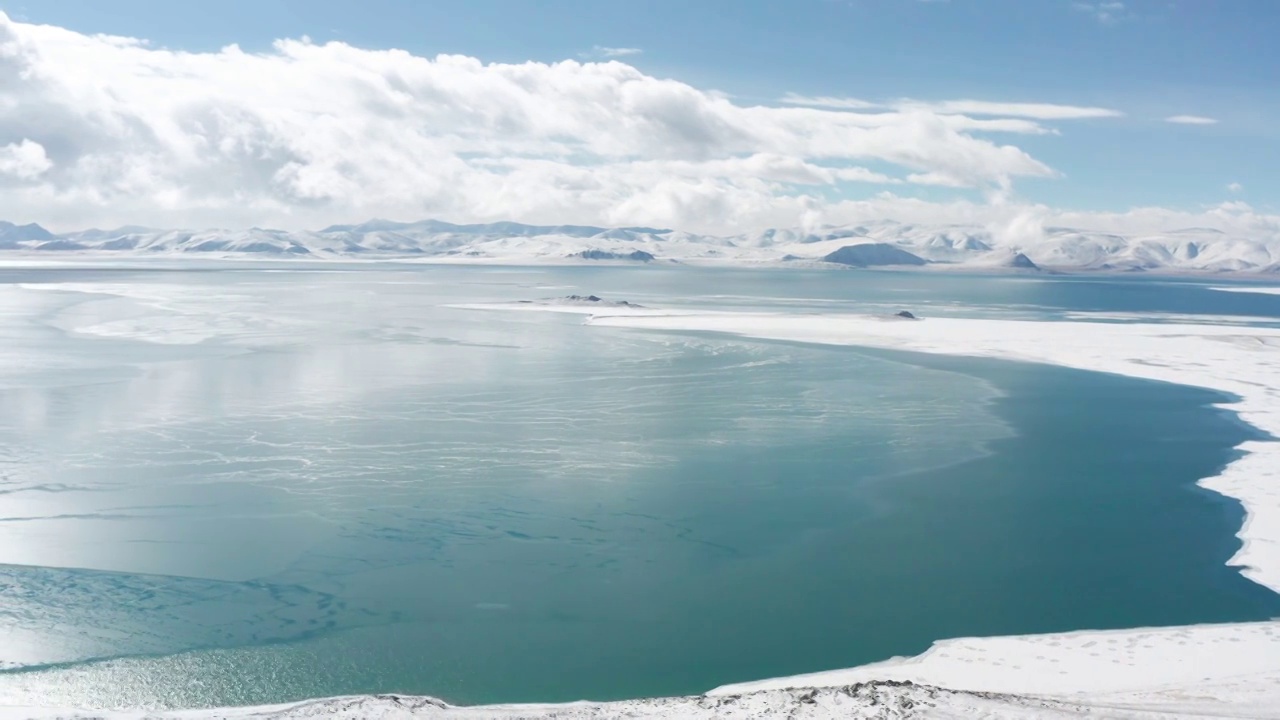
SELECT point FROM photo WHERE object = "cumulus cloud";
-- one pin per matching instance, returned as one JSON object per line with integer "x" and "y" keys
{"x": 1235, "y": 187}
{"x": 99, "y": 130}
{"x": 1190, "y": 120}
{"x": 23, "y": 160}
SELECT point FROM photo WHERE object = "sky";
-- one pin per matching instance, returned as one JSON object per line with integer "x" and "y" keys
{"x": 712, "y": 116}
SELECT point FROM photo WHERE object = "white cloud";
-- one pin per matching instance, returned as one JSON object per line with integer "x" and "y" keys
{"x": 1235, "y": 187}
{"x": 1107, "y": 13}
{"x": 936, "y": 179}
{"x": 113, "y": 131}
{"x": 23, "y": 160}
{"x": 1190, "y": 120}
{"x": 107, "y": 131}
{"x": 1234, "y": 206}
{"x": 599, "y": 51}
{"x": 1035, "y": 111}
{"x": 1038, "y": 111}
{"x": 837, "y": 103}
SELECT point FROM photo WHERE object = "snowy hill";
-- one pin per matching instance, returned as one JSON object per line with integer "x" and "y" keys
{"x": 12, "y": 236}
{"x": 891, "y": 243}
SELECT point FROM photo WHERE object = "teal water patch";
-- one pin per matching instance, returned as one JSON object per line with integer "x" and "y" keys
{"x": 483, "y": 507}
{"x": 778, "y": 560}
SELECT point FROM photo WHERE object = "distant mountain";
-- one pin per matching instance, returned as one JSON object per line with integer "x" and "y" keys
{"x": 1021, "y": 262}
{"x": 1006, "y": 258}
{"x": 863, "y": 245}
{"x": 15, "y": 236}
{"x": 502, "y": 229}
{"x": 873, "y": 254}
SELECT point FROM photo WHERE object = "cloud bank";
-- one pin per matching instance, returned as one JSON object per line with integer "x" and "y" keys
{"x": 101, "y": 131}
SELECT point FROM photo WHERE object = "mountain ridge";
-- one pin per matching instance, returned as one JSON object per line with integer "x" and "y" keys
{"x": 1060, "y": 248}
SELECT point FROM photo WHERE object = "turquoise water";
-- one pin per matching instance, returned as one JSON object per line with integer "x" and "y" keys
{"x": 246, "y": 487}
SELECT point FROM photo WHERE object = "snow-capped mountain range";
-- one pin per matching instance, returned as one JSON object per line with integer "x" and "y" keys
{"x": 883, "y": 243}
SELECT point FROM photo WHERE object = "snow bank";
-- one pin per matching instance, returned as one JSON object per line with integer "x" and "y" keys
{"x": 1080, "y": 665}
{"x": 1249, "y": 289}
{"x": 1247, "y": 696}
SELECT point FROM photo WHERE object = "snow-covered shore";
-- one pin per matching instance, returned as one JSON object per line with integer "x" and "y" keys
{"x": 881, "y": 700}
{"x": 1220, "y": 671}
{"x": 1196, "y": 671}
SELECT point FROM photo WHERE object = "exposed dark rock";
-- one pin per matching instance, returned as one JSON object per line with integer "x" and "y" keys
{"x": 598, "y": 299}
{"x": 873, "y": 254}
{"x": 905, "y": 314}
{"x": 1022, "y": 262}
{"x": 637, "y": 255}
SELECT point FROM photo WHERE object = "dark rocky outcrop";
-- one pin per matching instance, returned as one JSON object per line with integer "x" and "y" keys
{"x": 600, "y": 300}
{"x": 873, "y": 254}
{"x": 905, "y": 314}
{"x": 1022, "y": 262}
{"x": 636, "y": 255}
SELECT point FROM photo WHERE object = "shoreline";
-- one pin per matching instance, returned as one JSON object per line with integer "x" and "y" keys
{"x": 1134, "y": 669}
{"x": 1258, "y": 280}
{"x": 1158, "y": 352}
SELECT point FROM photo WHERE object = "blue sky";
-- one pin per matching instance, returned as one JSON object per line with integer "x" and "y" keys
{"x": 1148, "y": 59}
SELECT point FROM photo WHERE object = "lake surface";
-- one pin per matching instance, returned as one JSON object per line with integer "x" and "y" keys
{"x": 264, "y": 483}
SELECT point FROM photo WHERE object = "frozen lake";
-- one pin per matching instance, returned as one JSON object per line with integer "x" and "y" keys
{"x": 286, "y": 482}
